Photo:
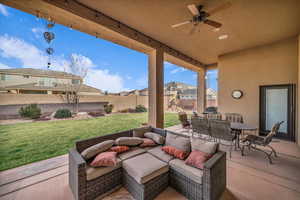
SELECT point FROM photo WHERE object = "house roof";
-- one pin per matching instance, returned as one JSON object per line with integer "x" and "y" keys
{"x": 40, "y": 72}
{"x": 58, "y": 87}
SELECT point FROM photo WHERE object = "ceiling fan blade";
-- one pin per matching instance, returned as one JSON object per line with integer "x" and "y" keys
{"x": 219, "y": 8}
{"x": 180, "y": 24}
{"x": 213, "y": 23}
{"x": 193, "y": 9}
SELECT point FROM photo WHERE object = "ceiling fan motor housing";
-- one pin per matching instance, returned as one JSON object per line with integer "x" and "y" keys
{"x": 201, "y": 17}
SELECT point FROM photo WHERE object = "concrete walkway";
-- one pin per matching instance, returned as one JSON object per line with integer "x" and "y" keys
{"x": 249, "y": 177}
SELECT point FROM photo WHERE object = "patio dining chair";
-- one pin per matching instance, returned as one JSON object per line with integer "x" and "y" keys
{"x": 254, "y": 141}
{"x": 221, "y": 131}
{"x": 200, "y": 126}
{"x": 182, "y": 116}
{"x": 213, "y": 116}
{"x": 234, "y": 117}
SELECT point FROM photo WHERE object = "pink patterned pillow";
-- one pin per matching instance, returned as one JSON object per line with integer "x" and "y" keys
{"x": 197, "y": 159}
{"x": 105, "y": 159}
{"x": 174, "y": 152}
{"x": 148, "y": 143}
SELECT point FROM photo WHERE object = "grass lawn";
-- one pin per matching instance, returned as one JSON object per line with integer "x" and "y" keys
{"x": 29, "y": 142}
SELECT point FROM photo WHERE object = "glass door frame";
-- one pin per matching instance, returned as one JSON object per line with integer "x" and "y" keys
{"x": 290, "y": 115}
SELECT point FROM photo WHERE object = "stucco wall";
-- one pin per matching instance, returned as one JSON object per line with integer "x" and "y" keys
{"x": 119, "y": 102}
{"x": 246, "y": 70}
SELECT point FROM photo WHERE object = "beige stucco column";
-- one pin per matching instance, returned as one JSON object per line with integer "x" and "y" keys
{"x": 156, "y": 88}
{"x": 201, "y": 91}
{"x": 298, "y": 98}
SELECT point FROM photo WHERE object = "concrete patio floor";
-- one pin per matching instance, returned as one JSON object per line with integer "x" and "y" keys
{"x": 249, "y": 177}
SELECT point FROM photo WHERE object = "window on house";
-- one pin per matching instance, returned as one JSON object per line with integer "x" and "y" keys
{"x": 41, "y": 83}
{"x": 75, "y": 81}
{"x": 25, "y": 76}
{"x": 3, "y": 77}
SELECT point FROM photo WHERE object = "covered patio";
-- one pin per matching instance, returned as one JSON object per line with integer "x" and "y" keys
{"x": 256, "y": 49}
{"x": 249, "y": 177}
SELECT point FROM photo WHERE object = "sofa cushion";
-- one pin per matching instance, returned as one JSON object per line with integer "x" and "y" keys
{"x": 179, "y": 142}
{"x": 197, "y": 159}
{"x": 105, "y": 159}
{"x": 129, "y": 141}
{"x": 95, "y": 172}
{"x": 96, "y": 149}
{"x": 186, "y": 170}
{"x": 148, "y": 143}
{"x": 139, "y": 132}
{"x": 156, "y": 137}
{"x": 160, "y": 154}
{"x": 204, "y": 146}
{"x": 144, "y": 167}
{"x": 131, "y": 153}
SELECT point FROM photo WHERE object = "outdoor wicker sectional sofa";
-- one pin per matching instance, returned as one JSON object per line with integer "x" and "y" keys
{"x": 145, "y": 173}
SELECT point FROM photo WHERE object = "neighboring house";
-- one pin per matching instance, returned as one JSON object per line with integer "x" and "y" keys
{"x": 38, "y": 81}
{"x": 188, "y": 94}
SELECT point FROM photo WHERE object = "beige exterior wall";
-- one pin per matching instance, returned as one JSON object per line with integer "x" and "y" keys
{"x": 119, "y": 102}
{"x": 12, "y": 79}
{"x": 246, "y": 70}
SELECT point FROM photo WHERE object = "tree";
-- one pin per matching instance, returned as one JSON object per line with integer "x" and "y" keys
{"x": 77, "y": 66}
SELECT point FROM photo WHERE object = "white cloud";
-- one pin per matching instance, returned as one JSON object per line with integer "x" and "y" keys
{"x": 167, "y": 64}
{"x": 105, "y": 80}
{"x": 3, "y": 10}
{"x": 38, "y": 32}
{"x": 142, "y": 81}
{"x": 178, "y": 69}
{"x": 30, "y": 56}
{"x": 3, "y": 66}
{"x": 128, "y": 77}
{"x": 27, "y": 54}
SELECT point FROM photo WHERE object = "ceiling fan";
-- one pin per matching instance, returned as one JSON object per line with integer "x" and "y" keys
{"x": 200, "y": 15}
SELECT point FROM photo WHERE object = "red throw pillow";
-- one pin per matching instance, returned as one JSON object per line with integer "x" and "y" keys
{"x": 119, "y": 149}
{"x": 105, "y": 159}
{"x": 197, "y": 159}
{"x": 148, "y": 143}
{"x": 174, "y": 152}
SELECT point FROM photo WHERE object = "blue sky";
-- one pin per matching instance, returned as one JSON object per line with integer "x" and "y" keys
{"x": 111, "y": 67}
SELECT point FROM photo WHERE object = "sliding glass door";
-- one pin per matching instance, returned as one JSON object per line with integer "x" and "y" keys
{"x": 277, "y": 104}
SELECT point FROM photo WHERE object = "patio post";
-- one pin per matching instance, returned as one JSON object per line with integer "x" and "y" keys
{"x": 156, "y": 88}
{"x": 201, "y": 91}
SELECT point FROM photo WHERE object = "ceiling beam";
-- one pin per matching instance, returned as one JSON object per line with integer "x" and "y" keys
{"x": 93, "y": 15}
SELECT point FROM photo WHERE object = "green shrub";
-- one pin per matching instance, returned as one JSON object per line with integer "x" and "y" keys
{"x": 31, "y": 111}
{"x": 140, "y": 108}
{"x": 108, "y": 108}
{"x": 63, "y": 113}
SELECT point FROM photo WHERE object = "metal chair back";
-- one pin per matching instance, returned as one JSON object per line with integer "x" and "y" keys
{"x": 213, "y": 116}
{"x": 273, "y": 132}
{"x": 234, "y": 117}
{"x": 200, "y": 125}
{"x": 221, "y": 130}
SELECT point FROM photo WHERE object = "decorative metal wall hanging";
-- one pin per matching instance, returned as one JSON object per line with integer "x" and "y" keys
{"x": 49, "y": 37}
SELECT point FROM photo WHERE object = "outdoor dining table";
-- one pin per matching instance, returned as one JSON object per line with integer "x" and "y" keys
{"x": 239, "y": 127}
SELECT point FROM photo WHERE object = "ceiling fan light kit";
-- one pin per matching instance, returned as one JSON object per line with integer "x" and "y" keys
{"x": 223, "y": 37}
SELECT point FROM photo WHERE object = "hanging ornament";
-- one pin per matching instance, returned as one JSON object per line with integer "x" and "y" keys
{"x": 49, "y": 37}
{"x": 49, "y": 51}
{"x": 50, "y": 25}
